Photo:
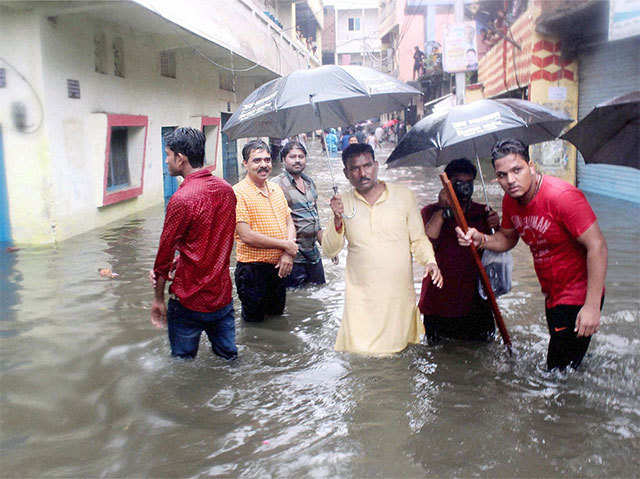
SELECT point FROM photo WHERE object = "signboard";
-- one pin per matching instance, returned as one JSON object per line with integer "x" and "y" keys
{"x": 460, "y": 51}
{"x": 624, "y": 19}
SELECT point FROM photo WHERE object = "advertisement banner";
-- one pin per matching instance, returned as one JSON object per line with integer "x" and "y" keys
{"x": 460, "y": 50}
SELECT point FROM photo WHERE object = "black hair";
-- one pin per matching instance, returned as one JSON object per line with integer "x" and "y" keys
{"x": 509, "y": 146}
{"x": 470, "y": 50}
{"x": 290, "y": 146}
{"x": 189, "y": 142}
{"x": 461, "y": 165}
{"x": 356, "y": 149}
{"x": 254, "y": 145}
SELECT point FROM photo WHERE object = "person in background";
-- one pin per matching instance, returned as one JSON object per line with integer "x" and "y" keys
{"x": 265, "y": 237}
{"x": 569, "y": 252}
{"x": 456, "y": 310}
{"x": 302, "y": 197}
{"x": 332, "y": 143}
{"x": 199, "y": 224}
{"x": 381, "y": 225}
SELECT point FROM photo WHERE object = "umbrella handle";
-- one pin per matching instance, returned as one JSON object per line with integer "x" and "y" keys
{"x": 484, "y": 186}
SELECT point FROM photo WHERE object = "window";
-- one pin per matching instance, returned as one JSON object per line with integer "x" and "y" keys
{"x": 118, "y": 176}
{"x": 125, "y": 155}
{"x": 211, "y": 128}
{"x": 354, "y": 24}
{"x": 168, "y": 64}
{"x": 118, "y": 57}
{"x": 100, "y": 52}
{"x": 226, "y": 80}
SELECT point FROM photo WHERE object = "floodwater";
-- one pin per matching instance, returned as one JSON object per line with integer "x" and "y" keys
{"x": 88, "y": 388}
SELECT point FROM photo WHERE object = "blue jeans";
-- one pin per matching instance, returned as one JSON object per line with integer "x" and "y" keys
{"x": 185, "y": 327}
{"x": 303, "y": 273}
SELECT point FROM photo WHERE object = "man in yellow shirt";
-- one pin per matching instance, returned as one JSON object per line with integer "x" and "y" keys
{"x": 384, "y": 231}
{"x": 265, "y": 237}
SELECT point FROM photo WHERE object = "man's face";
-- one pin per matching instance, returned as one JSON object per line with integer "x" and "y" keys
{"x": 463, "y": 178}
{"x": 295, "y": 161}
{"x": 514, "y": 174}
{"x": 258, "y": 166}
{"x": 362, "y": 172}
{"x": 353, "y": 139}
{"x": 173, "y": 162}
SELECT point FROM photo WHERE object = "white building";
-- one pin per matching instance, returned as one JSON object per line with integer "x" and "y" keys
{"x": 357, "y": 37}
{"x": 88, "y": 88}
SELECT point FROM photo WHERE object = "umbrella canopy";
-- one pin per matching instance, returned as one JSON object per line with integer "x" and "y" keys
{"x": 610, "y": 133}
{"x": 327, "y": 96}
{"x": 472, "y": 130}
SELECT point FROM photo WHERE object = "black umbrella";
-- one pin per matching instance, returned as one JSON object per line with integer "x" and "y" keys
{"x": 323, "y": 97}
{"x": 465, "y": 131}
{"x": 610, "y": 133}
{"x": 472, "y": 130}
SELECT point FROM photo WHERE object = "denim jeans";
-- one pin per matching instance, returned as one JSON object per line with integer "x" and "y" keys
{"x": 185, "y": 327}
{"x": 260, "y": 290}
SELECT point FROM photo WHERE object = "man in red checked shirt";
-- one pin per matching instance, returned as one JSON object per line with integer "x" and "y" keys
{"x": 200, "y": 223}
{"x": 569, "y": 251}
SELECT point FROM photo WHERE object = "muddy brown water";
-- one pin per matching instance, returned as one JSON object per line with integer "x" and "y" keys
{"x": 88, "y": 388}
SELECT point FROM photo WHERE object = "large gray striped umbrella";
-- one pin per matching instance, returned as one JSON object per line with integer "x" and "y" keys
{"x": 318, "y": 98}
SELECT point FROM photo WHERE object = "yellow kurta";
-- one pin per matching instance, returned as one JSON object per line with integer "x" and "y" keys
{"x": 380, "y": 311}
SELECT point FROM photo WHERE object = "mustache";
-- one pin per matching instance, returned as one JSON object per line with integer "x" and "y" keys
{"x": 264, "y": 169}
{"x": 364, "y": 178}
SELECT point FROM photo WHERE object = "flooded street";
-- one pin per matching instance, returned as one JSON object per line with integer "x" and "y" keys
{"x": 88, "y": 388}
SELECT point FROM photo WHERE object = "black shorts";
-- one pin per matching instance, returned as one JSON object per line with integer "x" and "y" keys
{"x": 478, "y": 325}
{"x": 260, "y": 290}
{"x": 566, "y": 348}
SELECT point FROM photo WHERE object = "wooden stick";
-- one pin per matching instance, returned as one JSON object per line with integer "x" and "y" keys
{"x": 462, "y": 223}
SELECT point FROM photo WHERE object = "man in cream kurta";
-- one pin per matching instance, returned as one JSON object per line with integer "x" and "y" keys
{"x": 384, "y": 231}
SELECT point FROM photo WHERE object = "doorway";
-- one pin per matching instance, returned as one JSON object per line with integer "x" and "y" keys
{"x": 5, "y": 226}
{"x": 170, "y": 182}
{"x": 229, "y": 154}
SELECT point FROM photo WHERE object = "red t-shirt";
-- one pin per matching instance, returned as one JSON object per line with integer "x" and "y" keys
{"x": 457, "y": 265}
{"x": 550, "y": 224}
{"x": 200, "y": 223}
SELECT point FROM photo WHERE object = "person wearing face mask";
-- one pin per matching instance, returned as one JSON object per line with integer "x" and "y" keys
{"x": 456, "y": 311}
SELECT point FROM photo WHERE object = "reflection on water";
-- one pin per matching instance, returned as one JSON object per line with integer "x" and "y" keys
{"x": 88, "y": 388}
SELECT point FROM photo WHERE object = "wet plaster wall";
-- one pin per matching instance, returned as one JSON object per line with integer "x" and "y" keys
{"x": 55, "y": 174}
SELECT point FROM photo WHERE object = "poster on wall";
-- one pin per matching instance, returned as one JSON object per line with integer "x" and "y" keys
{"x": 460, "y": 50}
{"x": 624, "y": 19}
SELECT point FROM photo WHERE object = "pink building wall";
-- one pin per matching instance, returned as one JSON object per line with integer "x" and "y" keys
{"x": 414, "y": 36}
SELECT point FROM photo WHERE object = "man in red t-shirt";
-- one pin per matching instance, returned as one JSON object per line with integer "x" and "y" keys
{"x": 200, "y": 223}
{"x": 569, "y": 251}
{"x": 456, "y": 310}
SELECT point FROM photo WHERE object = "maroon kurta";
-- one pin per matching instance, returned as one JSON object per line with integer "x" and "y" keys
{"x": 457, "y": 265}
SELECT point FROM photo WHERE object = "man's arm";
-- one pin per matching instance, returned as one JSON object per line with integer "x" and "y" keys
{"x": 501, "y": 240}
{"x": 175, "y": 225}
{"x": 588, "y": 319}
{"x": 285, "y": 264}
{"x": 259, "y": 240}
{"x": 333, "y": 237}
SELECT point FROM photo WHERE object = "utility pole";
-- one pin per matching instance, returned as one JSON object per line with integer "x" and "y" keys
{"x": 458, "y": 10}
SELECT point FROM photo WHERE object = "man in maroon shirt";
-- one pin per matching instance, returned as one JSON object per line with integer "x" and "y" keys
{"x": 456, "y": 310}
{"x": 569, "y": 251}
{"x": 199, "y": 223}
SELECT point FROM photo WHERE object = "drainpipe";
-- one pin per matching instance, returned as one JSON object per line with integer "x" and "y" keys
{"x": 460, "y": 76}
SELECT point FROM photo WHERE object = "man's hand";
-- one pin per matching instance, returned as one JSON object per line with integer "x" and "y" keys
{"x": 436, "y": 276}
{"x": 588, "y": 321}
{"x": 493, "y": 219}
{"x": 473, "y": 236}
{"x": 285, "y": 265}
{"x": 291, "y": 247}
{"x": 443, "y": 199}
{"x": 338, "y": 210}
{"x": 152, "y": 278}
{"x": 159, "y": 314}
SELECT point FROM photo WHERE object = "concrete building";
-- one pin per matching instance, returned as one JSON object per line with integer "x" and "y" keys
{"x": 351, "y": 33}
{"x": 87, "y": 89}
{"x": 569, "y": 57}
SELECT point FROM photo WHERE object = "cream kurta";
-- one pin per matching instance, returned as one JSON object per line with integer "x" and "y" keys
{"x": 380, "y": 311}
